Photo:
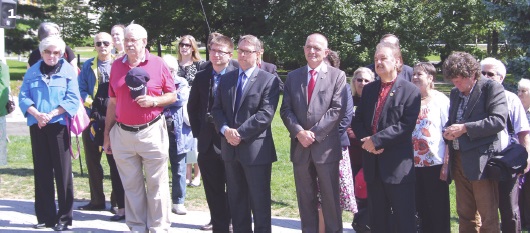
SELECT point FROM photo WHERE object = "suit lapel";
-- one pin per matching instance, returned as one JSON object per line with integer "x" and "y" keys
{"x": 250, "y": 81}
{"x": 473, "y": 99}
{"x": 394, "y": 91}
{"x": 232, "y": 83}
{"x": 320, "y": 82}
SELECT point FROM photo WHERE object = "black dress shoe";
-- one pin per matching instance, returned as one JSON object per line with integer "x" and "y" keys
{"x": 61, "y": 226}
{"x": 39, "y": 226}
{"x": 207, "y": 227}
{"x": 116, "y": 218}
{"x": 92, "y": 207}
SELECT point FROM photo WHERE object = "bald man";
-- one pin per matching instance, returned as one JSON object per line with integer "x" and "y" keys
{"x": 94, "y": 73}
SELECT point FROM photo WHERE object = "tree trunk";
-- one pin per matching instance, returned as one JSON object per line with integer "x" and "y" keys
{"x": 494, "y": 42}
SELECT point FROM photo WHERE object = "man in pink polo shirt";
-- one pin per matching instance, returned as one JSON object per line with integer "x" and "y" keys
{"x": 136, "y": 133}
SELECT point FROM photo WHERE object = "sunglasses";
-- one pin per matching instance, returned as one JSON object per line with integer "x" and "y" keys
{"x": 106, "y": 43}
{"x": 183, "y": 45}
{"x": 489, "y": 74}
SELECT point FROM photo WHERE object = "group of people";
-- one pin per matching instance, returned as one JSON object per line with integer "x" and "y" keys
{"x": 389, "y": 130}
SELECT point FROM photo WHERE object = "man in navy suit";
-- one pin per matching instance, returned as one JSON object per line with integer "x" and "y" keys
{"x": 385, "y": 120}
{"x": 243, "y": 110}
{"x": 209, "y": 141}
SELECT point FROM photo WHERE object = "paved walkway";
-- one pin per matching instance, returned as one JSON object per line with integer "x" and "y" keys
{"x": 18, "y": 215}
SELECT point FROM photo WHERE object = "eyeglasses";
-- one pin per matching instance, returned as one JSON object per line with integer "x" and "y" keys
{"x": 522, "y": 91}
{"x": 361, "y": 80}
{"x": 215, "y": 52}
{"x": 183, "y": 45}
{"x": 243, "y": 52}
{"x": 55, "y": 53}
{"x": 489, "y": 74}
{"x": 309, "y": 47}
{"x": 132, "y": 40}
{"x": 99, "y": 43}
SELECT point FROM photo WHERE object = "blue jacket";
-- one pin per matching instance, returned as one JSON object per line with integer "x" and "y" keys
{"x": 179, "y": 114}
{"x": 87, "y": 80}
{"x": 62, "y": 91}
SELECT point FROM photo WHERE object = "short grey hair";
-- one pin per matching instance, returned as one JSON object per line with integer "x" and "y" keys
{"x": 137, "y": 30}
{"x": 45, "y": 28}
{"x": 52, "y": 41}
{"x": 524, "y": 83}
{"x": 499, "y": 66}
{"x": 254, "y": 41}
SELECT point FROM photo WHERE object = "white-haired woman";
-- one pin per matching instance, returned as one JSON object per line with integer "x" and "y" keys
{"x": 523, "y": 91}
{"x": 48, "y": 96}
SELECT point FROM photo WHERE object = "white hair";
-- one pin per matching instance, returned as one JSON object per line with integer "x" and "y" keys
{"x": 171, "y": 62}
{"x": 137, "y": 30}
{"x": 499, "y": 66}
{"x": 524, "y": 83}
{"x": 52, "y": 41}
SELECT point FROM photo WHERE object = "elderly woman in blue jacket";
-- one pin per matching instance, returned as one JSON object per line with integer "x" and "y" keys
{"x": 48, "y": 96}
{"x": 181, "y": 139}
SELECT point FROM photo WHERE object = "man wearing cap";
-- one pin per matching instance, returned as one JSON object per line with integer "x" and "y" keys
{"x": 140, "y": 86}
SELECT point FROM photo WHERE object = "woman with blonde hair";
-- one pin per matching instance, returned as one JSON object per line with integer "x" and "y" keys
{"x": 190, "y": 61}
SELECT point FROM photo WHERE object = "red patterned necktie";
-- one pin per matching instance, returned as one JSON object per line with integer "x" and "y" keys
{"x": 311, "y": 85}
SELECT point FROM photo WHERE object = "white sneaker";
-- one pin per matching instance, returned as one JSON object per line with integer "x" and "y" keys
{"x": 195, "y": 182}
{"x": 179, "y": 209}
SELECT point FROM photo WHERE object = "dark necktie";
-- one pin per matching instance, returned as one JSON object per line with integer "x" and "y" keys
{"x": 239, "y": 92}
{"x": 311, "y": 85}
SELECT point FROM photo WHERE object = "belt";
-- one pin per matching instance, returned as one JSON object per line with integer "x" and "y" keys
{"x": 138, "y": 128}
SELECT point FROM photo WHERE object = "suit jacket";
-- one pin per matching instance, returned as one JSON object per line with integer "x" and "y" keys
{"x": 321, "y": 116}
{"x": 252, "y": 118}
{"x": 484, "y": 117}
{"x": 200, "y": 103}
{"x": 271, "y": 68}
{"x": 394, "y": 131}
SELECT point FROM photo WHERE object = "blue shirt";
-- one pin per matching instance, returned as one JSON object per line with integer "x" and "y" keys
{"x": 62, "y": 90}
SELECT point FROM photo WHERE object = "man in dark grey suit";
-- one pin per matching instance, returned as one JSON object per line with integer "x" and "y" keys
{"x": 243, "y": 110}
{"x": 209, "y": 141}
{"x": 314, "y": 103}
{"x": 477, "y": 115}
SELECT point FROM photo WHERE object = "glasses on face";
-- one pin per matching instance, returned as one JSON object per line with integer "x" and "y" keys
{"x": 132, "y": 40}
{"x": 99, "y": 43}
{"x": 362, "y": 80}
{"x": 244, "y": 52}
{"x": 522, "y": 91}
{"x": 309, "y": 47}
{"x": 55, "y": 53}
{"x": 184, "y": 45}
{"x": 218, "y": 52}
{"x": 489, "y": 74}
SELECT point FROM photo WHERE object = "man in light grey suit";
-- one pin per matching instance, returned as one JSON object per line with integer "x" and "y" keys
{"x": 243, "y": 109}
{"x": 314, "y": 103}
{"x": 477, "y": 115}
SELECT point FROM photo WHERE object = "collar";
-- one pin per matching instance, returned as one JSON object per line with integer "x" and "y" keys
{"x": 247, "y": 72}
{"x": 146, "y": 57}
{"x": 317, "y": 69}
{"x": 220, "y": 73}
{"x": 387, "y": 84}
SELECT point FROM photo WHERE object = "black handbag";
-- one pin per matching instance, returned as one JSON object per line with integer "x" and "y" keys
{"x": 508, "y": 163}
{"x": 10, "y": 105}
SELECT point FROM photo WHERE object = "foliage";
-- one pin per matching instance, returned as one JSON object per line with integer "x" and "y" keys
{"x": 73, "y": 18}
{"x": 516, "y": 15}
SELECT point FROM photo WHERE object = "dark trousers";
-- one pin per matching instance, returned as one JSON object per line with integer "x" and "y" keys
{"x": 524, "y": 201}
{"x": 214, "y": 180}
{"x": 392, "y": 206}
{"x": 509, "y": 205}
{"x": 249, "y": 196}
{"x": 305, "y": 177}
{"x": 51, "y": 159}
{"x": 432, "y": 200}
{"x": 118, "y": 193}
{"x": 95, "y": 170}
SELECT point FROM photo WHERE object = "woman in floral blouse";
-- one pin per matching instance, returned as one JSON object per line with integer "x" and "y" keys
{"x": 431, "y": 153}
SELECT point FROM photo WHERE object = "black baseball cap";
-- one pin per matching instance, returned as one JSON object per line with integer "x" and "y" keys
{"x": 137, "y": 79}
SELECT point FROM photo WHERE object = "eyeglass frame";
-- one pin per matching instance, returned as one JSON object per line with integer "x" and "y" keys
{"x": 100, "y": 43}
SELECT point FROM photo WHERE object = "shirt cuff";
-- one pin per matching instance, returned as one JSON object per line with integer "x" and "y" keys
{"x": 223, "y": 129}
